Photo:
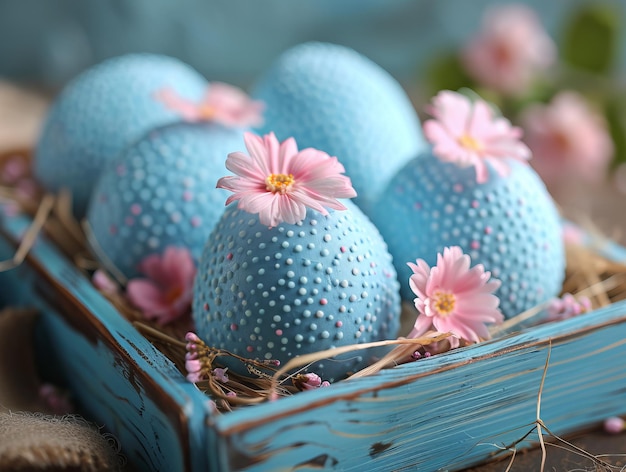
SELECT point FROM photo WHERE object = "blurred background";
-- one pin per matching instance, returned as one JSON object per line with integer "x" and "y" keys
{"x": 556, "y": 68}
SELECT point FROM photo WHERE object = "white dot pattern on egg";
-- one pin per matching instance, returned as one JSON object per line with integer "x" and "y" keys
{"x": 295, "y": 289}
{"x": 160, "y": 192}
{"x": 509, "y": 224}
{"x": 332, "y": 98}
{"x": 102, "y": 111}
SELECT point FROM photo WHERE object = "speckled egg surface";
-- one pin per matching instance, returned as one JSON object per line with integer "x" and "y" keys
{"x": 332, "y": 98}
{"x": 159, "y": 192}
{"x": 101, "y": 111}
{"x": 508, "y": 224}
{"x": 282, "y": 292}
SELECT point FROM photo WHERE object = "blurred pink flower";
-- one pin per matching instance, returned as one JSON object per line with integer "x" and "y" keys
{"x": 452, "y": 298}
{"x": 469, "y": 134}
{"x": 166, "y": 294}
{"x": 566, "y": 307}
{"x": 509, "y": 50}
{"x": 569, "y": 140}
{"x": 15, "y": 168}
{"x": 222, "y": 103}
{"x": 573, "y": 234}
{"x": 279, "y": 182}
{"x": 56, "y": 399}
{"x": 104, "y": 283}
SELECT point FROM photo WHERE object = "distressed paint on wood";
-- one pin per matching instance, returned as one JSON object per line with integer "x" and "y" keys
{"x": 449, "y": 412}
{"x": 119, "y": 379}
{"x": 446, "y": 412}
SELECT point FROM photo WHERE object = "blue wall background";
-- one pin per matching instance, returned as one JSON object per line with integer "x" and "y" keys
{"x": 46, "y": 42}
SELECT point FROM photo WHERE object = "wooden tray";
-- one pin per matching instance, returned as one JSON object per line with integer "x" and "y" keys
{"x": 446, "y": 412}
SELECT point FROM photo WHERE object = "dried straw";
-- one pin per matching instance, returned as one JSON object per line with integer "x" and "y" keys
{"x": 588, "y": 274}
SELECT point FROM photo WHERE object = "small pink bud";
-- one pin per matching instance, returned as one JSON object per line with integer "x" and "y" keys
{"x": 220, "y": 374}
{"x": 192, "y": 337}
{"x": 194, "y": 377}
{"x": 193, "y": 365}
{"x": 614, "y": 425}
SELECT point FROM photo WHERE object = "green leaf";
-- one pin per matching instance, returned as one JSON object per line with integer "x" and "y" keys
{"x": 591, "y": 38}
{"x": 616, "y": 118}
{"x": 445, "y": 73}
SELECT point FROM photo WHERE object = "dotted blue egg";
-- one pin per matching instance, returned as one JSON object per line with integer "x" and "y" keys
{"x": 102, "y": 111}
{"x": 330, "y": 97}
{"x": 160, "y": 192}
{"x": 508, "y": 224}
{"x": 295, "y": 289}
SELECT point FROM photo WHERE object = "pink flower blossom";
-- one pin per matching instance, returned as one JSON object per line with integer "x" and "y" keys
{"x": 309, "y": 381}
{"x": 566, "y": 307}
{"x": 452, "y": 298}
{"x": 470, "y": 134}
{"x": 279, "y": 182}
{"x": 510, "y": 49}
{"x": 220, "y": 374}
{"x": 569, "y": 140}
{"x": 167, "y": 292}
{"x": 222, "y": 103}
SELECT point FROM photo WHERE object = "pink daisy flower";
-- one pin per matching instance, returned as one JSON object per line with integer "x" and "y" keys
{"x": 222, "y": 103}
{"x": 509, "y": 51}
{"x": 452, "y": 298}
{"x": 167, "y": 292}
{"x": 279, "y": 182}
{"x": 470, "y": 134}
{"x": 570, "y": 140}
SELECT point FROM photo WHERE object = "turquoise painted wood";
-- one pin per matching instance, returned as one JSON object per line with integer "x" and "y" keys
{"x": 442, "y": 413}
{"x": 117, "y": 377}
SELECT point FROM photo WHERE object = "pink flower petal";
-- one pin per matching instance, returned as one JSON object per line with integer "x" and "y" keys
{"x": 145, "y": 295}
{"x": 222, "y": 104}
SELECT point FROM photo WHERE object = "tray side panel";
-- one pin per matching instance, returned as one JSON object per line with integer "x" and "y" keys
{"x": 457, "y": 414}
{"x": 117, "y": 377}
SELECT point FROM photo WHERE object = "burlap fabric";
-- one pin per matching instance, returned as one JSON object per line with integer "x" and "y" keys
{"x": 32, "y": 438}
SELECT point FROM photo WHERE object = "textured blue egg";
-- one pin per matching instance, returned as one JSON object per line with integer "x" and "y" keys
{"x": 160, "y": 192}
{"x": 332, "y": 98}
{"x": 295, "y": 289}
{"x": 508, "y": 224}
{"x": 103, "y": 110}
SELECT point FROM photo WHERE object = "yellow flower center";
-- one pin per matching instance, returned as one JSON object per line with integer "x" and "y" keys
{"x": 468, "y": 142}
{"x": 173, "y": 294}
{"x": 206, "y": 112}
{"x": 279, "y": 183}
{"x": 444, "y": 303}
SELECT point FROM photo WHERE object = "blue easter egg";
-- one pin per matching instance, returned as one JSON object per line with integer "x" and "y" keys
{"x": 102, "y": 111}
{"x": 295, "y": 289}
{"x": 508, "y": 224}
{"x": 332, "y": 98}
{"x": 159, "y": 192}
